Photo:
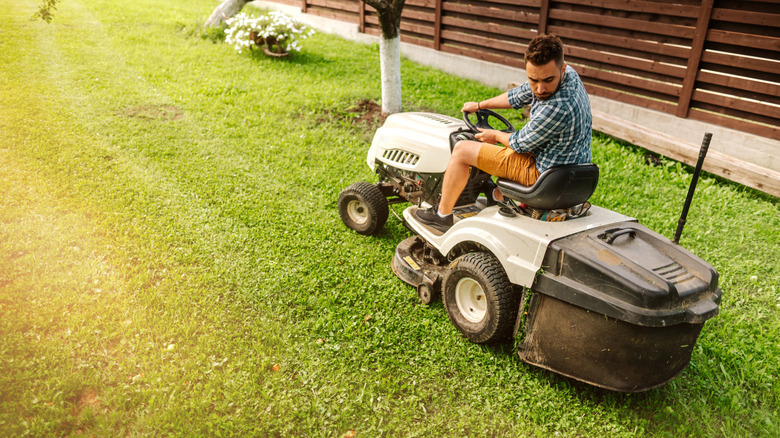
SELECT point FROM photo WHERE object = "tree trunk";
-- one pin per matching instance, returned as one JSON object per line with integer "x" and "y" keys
{"x": 225, "y": 10}
{"x": 390, "y": 68}
{"x": 389, "y": 12}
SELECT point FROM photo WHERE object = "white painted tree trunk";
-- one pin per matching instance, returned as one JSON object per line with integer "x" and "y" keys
{"x": 390, "y": 68}
{"x": 225, "y": 10}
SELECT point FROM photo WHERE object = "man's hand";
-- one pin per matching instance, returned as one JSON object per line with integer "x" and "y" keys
{"x": 470, "y": 107}
{"x": 493, "y": 136}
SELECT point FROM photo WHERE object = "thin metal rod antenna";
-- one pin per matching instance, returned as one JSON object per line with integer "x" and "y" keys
{"x": 705, "y": 144}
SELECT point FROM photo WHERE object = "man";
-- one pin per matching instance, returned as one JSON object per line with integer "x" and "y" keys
{"x": 558, "y": 130}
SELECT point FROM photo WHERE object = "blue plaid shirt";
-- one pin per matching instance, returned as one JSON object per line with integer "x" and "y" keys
{"x": 559, "y": 128}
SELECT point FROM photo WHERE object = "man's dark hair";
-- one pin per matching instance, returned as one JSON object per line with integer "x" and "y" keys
{"x": 543, "y": 49}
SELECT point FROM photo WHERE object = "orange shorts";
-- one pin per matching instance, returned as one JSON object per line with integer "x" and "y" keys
{"x": 506, "y": 163}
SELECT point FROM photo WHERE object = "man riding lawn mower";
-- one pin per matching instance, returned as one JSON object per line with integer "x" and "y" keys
{"x": 588, "y": 293}
{"x": 558, "y": 131}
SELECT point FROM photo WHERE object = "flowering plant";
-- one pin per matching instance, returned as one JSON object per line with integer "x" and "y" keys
{"x": 275, "y": 32}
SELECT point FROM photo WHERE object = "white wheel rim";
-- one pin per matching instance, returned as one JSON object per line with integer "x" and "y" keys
{"x": 470, "y": 299}
{"x": 357, "y": 212}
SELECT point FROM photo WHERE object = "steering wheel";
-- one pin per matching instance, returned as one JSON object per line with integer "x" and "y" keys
{"x": 482, "y": 121}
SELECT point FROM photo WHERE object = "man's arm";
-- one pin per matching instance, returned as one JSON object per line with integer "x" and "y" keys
{"x": 498, "y": 102}
{"x": 493, "y": 136}
{"x": 489, "y": 135}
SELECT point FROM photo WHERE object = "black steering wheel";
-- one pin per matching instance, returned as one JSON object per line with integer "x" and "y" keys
{"x": 482, "y": 121}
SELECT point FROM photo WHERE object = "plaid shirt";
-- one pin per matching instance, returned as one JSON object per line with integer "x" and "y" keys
{"x": 559, "y": 129}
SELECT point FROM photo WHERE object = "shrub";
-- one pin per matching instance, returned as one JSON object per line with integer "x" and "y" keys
{"x": 275, "y": 33}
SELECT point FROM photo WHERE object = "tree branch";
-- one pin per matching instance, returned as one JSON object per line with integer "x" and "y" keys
{"x": 46, "y": 11}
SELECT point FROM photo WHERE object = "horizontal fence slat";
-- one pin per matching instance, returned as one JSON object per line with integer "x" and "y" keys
{"x": 740, "y": 83}
{"x": 744, "y": 62}
{"x": 405, "y": 26}
{"x": 525, "y": 3}
{"x": 638, "y": 6}
{"x": 424, "y": 16}
{"x": 746, "y": 106}
{"x": 653, "y": 47}
{"x": 483, "y": 41}
{"x": 746, "y": 17}
{"x": 494, "y": 28}
{"x": 353, "y": 7}
{"x": 623, "y": 23}
{"x": 630, "y": 98}
{"x": 743, "y": 39}
{"x": 677, "y": 71}
{"x": 417, "y": 41}
{"x": 421, "y": 3}
{"x": 485, "y": 12}
{"x": 622, "y": 80}
{"x": 482, "y": 55}
{"x": 333, "y": 14}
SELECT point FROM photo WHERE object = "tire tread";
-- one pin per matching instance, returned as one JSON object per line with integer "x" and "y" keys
{"x": 372, "y": 196}
{"x": 505, "y": 298}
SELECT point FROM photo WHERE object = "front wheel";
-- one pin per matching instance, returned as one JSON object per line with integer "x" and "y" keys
{"x": 363, "y": 208}
{"x": 480, "y": 300}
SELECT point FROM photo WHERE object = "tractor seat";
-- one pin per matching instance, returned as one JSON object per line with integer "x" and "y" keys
{"x": 558, "y": 187}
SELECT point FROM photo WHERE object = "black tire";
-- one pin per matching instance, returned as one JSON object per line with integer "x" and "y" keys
{"x": 480, "y": 300}
{"x": 363, "y": 208}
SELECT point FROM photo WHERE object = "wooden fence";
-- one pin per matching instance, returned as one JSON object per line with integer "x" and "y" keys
{"x": 717, "y": 61}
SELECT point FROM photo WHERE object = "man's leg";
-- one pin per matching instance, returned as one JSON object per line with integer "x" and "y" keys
{"x": 495, "y": 160}
{"x": 464, "y": 156}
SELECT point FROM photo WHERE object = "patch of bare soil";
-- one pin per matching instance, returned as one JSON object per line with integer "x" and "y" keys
{"x": 368, "y": 112}
{"x": 365, "y": 113}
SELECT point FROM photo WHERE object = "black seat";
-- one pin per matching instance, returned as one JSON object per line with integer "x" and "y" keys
{"x": 558, "y": 187}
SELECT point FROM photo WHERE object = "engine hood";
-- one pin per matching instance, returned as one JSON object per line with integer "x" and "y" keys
{"x": 417, "y": 141}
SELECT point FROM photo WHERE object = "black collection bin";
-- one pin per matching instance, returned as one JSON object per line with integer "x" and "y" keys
{"x": 619, "y": 307}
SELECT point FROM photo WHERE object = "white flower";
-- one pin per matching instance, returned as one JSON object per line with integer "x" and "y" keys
{"x": 286, "y": 31}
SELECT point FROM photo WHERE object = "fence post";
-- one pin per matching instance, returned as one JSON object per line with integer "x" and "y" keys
{"x": 697, "y": 49}
{"x": 544, "y": 12}
{"x": 304, "y": 6}
{"x": 361, "y": 16}
{"x": 437, "y": 26}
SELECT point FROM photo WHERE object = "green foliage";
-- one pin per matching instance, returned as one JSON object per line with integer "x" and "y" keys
{"x": 174, "y": 264}
{"x": 46, "y": 11}
{"x": 215, "y": 34}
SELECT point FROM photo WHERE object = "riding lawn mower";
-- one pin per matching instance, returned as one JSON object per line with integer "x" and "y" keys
{"x": 585, "y": 292}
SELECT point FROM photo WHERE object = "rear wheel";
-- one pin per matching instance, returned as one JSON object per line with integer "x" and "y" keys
{"x": 363, "y": 208}
{"x": 480, "y": 300}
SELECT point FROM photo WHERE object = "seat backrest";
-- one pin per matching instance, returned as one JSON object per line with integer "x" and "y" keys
{"x": 558, "y": 187}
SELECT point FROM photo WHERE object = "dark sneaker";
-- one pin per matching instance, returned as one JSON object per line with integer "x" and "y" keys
{"x": 490, "y": 193}
{"x": 432, "y": 218}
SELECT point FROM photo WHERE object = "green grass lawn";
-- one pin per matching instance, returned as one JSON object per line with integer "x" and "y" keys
{"x": 172, "y": 261}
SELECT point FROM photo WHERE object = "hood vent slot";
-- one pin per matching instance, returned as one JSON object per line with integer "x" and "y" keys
{"x": 444, "y": 120}
{"x": 399, "y": 156}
